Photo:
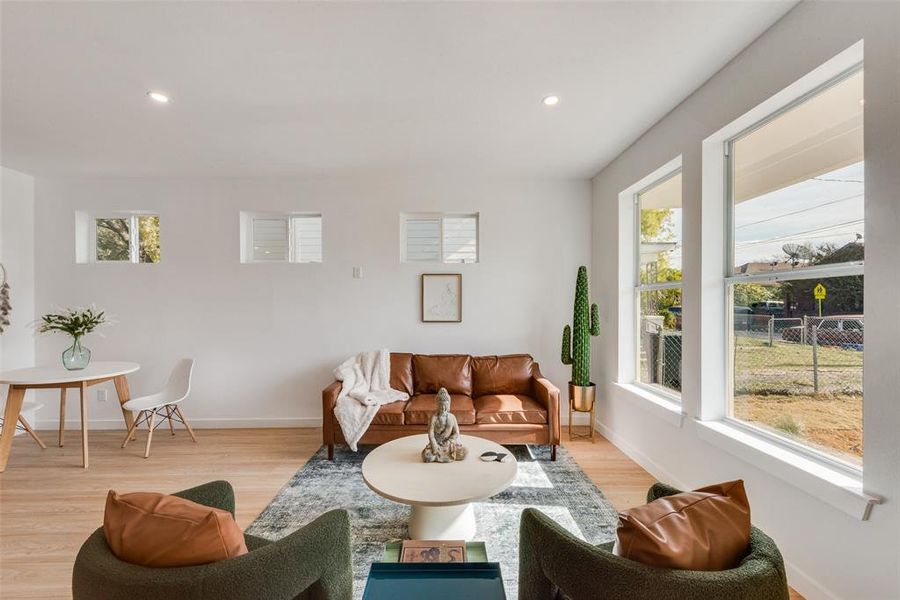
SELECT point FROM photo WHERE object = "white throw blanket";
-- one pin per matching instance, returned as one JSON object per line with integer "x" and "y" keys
{"x": 366, "y": 386}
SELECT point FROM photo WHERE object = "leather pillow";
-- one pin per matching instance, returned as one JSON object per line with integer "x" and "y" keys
{"x": 159, "y": 530}
{"x": 451, "y": 371}
{"x": 502, "y": 374}
{"x": 401, "y": 372}
{"x": 704, "y": 530}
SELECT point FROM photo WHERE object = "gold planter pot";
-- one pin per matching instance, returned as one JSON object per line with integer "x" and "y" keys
{"x": 582, "y": 399}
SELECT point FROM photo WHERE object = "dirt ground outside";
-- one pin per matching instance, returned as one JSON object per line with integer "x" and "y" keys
{"x": 774, "y": 387}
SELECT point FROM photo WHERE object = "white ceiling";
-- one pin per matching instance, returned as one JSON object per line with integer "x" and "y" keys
{"x": 264, "y": 89}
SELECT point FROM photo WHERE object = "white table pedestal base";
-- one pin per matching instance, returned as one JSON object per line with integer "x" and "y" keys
{"x": 442, "y": 522}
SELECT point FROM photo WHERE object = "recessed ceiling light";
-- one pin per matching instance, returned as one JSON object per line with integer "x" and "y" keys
{"x": 158, "y": 97}
{"x": 550, "y": 100}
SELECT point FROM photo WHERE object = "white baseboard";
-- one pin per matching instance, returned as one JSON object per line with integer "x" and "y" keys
{"x": 197, "y": 423}
{"x": 639, "y": 457}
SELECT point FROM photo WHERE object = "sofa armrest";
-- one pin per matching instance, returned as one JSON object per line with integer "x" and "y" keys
{"x": 215, "y": 494}
{"x": 329, "y": 401}
{"x": 548, "y": 395}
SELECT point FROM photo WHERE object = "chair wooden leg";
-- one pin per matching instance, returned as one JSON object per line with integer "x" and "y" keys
{"x": 183, "y": 420}
{"x": 553, "y": 452}
{"x": 62, "y": 415}
{"x": 31, "y": 432}
{"x": 169, "y": 413}
{"x": 150, "y": 415}
{"x": 130, "y": 434}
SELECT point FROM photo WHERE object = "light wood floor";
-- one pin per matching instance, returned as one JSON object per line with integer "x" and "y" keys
{"x": 49, "y": 504}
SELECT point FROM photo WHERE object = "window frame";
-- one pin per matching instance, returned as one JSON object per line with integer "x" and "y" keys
{"x": 731, "y": 279}
{"x": 247, "y": 240}
{"x": 638, "y": 287}
{"x": 134, "y": 242}
{"x": 441, "y": 216}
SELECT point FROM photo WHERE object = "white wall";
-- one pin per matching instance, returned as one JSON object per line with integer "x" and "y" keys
{"x": 830, "y": 554}
{"x": 266, "y": 337}
{"x": 17, "y": 255}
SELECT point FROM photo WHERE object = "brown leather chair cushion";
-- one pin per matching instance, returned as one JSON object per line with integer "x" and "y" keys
{"x": 509, "y": 374}
{"x": 420, "y": 408}
{"x": 390, "y": 414}
{"x": 451, "y": 371}
{"x": 704, "y": 530}
{"x": 158, "y": 530}
{"x": 401, "y": 372}
{"x": 508, "y": 408}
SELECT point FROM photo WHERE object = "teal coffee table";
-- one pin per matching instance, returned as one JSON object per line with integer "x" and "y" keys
{"x": 434, "y": 581}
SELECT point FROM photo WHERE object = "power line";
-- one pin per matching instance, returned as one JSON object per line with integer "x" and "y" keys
{"x": 799, "y": 233}
{"x": 802, "y": 210}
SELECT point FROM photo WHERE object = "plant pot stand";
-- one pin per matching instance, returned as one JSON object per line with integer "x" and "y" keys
{"x": 582, "y": 399}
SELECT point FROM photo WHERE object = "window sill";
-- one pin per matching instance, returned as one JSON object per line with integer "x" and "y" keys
{"x": 655, "y": 403}
{"x": 837, "y": 488}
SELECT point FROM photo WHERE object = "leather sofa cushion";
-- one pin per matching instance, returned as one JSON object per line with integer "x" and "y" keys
{"x": 704, "y": 530}
{"x": 509, "y": 374}
{"x": 420, "y": 408}
{"x": 451, "y": 371}
{"x": 159, "y": 530}
{"x": 401, "y": 372}
{"x": 508, "y": 408}
{"x": 390, "y": 414}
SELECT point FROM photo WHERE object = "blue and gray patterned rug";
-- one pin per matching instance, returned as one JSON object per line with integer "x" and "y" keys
{"x": 560, "y": 489}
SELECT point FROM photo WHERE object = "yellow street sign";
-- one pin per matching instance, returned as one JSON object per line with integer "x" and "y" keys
{"x": 819, "y": 292}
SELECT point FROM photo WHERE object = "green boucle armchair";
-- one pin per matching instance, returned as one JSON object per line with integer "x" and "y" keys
{"x": 312, "y": 563}
{"x": 555, "y": 565}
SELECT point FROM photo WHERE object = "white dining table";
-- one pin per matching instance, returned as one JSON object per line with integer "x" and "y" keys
{"x": 58, "y": 377}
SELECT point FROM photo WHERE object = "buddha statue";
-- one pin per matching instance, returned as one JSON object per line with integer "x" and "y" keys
{"x": 443, "y": 433}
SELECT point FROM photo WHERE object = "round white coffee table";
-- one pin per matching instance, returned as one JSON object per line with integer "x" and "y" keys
{"x": 440, "y": 493}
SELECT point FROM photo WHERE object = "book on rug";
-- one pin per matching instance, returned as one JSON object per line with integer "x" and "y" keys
{"x": 433, "y": 551}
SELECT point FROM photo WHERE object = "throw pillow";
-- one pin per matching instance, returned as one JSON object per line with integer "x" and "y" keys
{"x": 704, "y": 530}
{"x": 159, "y": 530}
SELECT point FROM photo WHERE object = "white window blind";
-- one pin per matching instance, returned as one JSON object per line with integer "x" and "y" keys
{"x": 285, "y": 238}
{"x": 440, "y": 238}
{"x": 306, "y": 234}
{"x": 460, "y": 239}
{"x": 270, "y": 239}
{"x": 423, "y": 239}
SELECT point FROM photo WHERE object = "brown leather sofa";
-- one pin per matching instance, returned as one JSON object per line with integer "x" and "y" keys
{"x": 501, "y": 398}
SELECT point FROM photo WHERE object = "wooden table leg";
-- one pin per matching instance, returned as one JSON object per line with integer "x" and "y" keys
{"x": 62, "y": 415}
{"x": 31, "y": 432}
{"x": 124, "y": 396}
{"x": 14, "y": 399}
{"x": 84, "y": 425}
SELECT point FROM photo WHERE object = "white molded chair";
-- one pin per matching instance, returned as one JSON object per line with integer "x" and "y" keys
{"x": 163, "y": 404}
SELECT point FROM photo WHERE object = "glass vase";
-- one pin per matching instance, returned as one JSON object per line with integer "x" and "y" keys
{"x": 76, "y": 356}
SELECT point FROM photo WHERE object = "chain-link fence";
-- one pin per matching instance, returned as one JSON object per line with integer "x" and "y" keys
{"x": 802, "y": 377}
{"x": 660, "y": 353}
{"x": 798, "y": 356}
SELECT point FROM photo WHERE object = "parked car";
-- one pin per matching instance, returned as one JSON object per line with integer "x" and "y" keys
{"x": 768, "y": 307}
{"x": 830, "y": 331}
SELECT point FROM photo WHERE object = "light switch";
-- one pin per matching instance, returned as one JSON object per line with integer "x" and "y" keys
{"x": 357, "y": 272}
{"x": 102, "y": 395}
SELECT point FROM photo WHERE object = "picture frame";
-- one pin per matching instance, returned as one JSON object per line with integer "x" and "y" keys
{"x": 441, "y": 297}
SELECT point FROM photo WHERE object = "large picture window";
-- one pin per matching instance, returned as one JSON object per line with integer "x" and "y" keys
{"x": 795, "y": 271}
{"x": 658, "y": 283}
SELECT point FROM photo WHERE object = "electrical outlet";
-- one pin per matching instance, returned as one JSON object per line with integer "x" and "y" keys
{"x": 357, "y": 272}
{"x": 102, "y": 395}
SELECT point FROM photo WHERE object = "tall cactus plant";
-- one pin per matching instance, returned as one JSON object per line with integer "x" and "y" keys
{"x": 576, "y": 351}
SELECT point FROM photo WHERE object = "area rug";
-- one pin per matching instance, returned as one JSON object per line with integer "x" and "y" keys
{"x": 560, "y": 489}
